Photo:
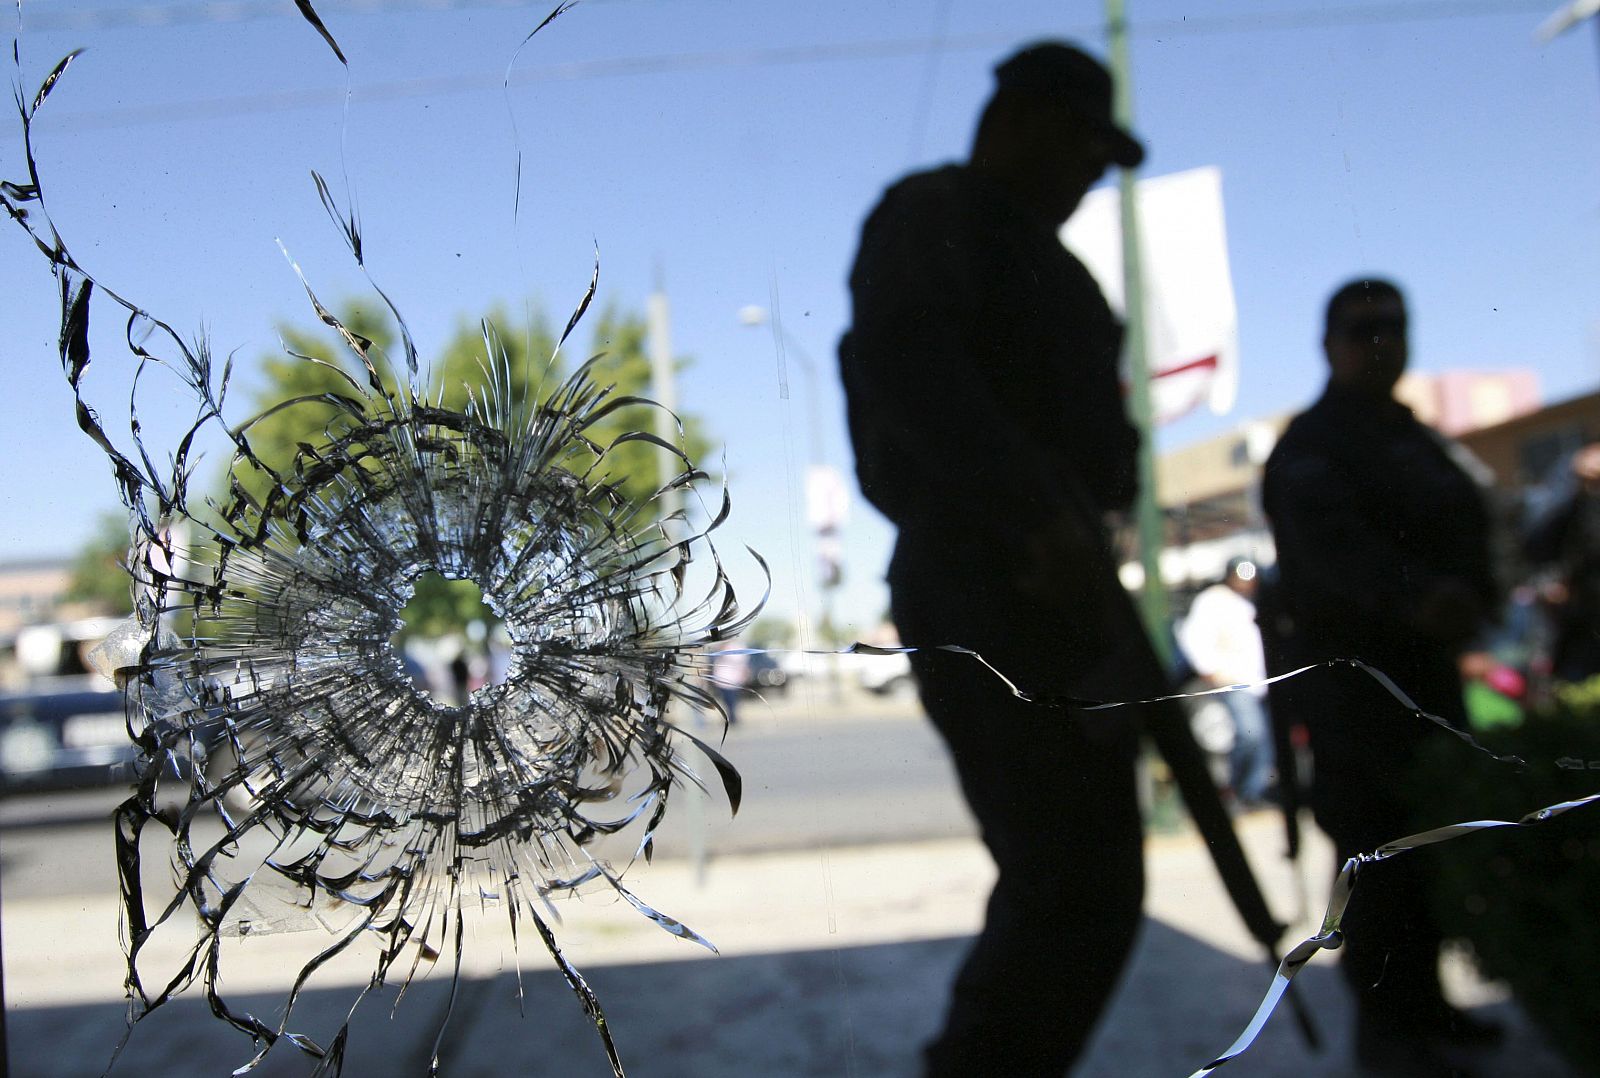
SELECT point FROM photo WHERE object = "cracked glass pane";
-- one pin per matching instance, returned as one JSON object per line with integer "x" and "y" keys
{"x": 415, "y": 668}
{"x": 263, "y": 685}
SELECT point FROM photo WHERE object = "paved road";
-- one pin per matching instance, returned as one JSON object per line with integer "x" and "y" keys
{"x": 843, "y": 780}
{"x": 834, "y": 960}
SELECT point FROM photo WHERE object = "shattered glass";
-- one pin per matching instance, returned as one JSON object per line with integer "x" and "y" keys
{"x": 262, "y": 684}
{"x": 264, "y": 687}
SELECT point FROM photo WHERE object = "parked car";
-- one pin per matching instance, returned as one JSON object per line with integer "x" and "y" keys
{"x": 61, "y": 725}
{"x": 882, "y": 675}
{"x": 766, "y": 674}
{"x": 63, "y": 737}
{"x": 886, "y": 675}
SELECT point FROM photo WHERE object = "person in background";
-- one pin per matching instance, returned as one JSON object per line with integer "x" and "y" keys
{"x": 1383, "y": 555}
{"x": 1223, "y": 645}
{"x": 460, "y": 677}
{"x": 730, "y": 674}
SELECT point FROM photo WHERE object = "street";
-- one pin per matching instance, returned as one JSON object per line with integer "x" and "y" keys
{"x": 841, "y": 781}
{"x": 845, "y": 780}
{"x": 840, "y": 900}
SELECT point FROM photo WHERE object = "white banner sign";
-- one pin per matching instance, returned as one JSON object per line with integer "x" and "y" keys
{"x": 827, "y": 498}
{"x": 1192, "y": 326}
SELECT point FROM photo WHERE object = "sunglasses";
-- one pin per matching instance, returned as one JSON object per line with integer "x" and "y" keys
{"x": 1366, "y": 328}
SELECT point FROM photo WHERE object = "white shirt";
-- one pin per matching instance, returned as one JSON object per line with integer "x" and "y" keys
{"x": 1221, "y": 638}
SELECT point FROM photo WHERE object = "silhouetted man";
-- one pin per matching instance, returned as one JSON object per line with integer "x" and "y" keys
{"x": 1383, "y": 554}
{"x": 981, "y": 374}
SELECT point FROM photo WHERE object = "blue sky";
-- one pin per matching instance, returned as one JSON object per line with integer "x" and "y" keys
{"x": 735, "y": 148}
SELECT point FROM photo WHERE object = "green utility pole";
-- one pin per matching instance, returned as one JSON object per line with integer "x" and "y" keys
{"x": 1167, "y": 723}
{"x": 1147, "y": 510}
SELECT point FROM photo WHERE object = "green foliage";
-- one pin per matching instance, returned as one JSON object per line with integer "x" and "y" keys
{"x": 459, "y": 373}
{"x": 1580, "y": 698}
{"x": 286, "y": 376}
{"x": 771, "y": 631}
{"x": 98, "y": 576}
{"x": 441, "y": 607}
{"x": 1525, "y": 898}
{"x": 620, "y": 339}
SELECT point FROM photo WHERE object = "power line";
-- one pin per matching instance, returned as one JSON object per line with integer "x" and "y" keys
{"x": 1396, "y": 11}
{"x": 930, "y": 78}
{"x": 201, "y": 12}
{"x": 41, "y": 18}
{"x": 676, "y": 63}
{"x": 788, "y": 55}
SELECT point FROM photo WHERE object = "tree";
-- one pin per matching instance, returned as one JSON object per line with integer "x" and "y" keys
{"x": 459, "y": 372}
{"x": 620, "y": 340}
{"x": 98, "y": 575}
{"x": 772, "y": 631}
{"x": 276, "y": 438}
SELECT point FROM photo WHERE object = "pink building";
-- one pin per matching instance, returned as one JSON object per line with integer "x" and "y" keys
{"x": 1456, "y": 402}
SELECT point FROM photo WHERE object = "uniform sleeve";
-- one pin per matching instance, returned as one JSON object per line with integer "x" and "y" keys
{"x": 933, "y": 445}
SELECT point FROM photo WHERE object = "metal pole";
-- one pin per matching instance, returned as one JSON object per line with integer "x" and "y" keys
{"x": 1168, "y": 723}
{"x": 1147, "y": 509}
{"x": 825, "y": 629}
{"x": 664, "y": 388}
{"x": 663, "y": 382}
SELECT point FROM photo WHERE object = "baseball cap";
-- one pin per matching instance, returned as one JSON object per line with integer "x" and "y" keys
{"x": 1064, "y": 74}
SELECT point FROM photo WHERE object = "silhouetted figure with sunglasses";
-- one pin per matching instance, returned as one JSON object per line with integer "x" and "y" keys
{"x": 988, "y": 424}
{"x": 1383, "y": 555}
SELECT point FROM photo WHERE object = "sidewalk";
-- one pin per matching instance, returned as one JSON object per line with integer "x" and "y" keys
{"x": 834, "y": 963}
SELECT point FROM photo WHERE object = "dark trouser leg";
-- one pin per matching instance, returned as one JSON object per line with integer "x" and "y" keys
{"x": 1365, "y": 745}
{"x": 1250, "y": 762}
{"x": 1060, "y": 817}
{"x": 1391, "y": 952}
